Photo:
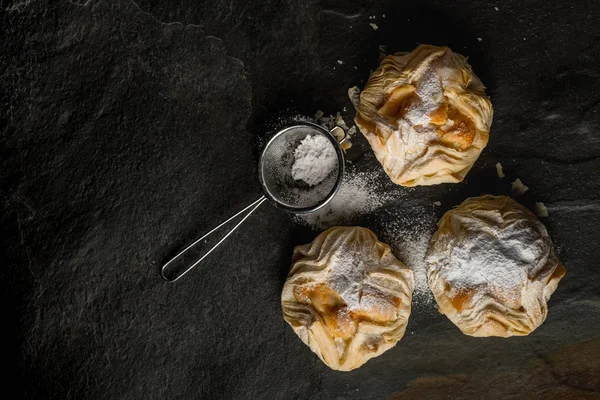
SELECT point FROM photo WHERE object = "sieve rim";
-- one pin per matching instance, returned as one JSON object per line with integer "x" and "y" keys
{"x": 334, "y": 189}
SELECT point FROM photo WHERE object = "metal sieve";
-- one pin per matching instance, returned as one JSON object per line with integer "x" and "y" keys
{"x": 278, "y": 186}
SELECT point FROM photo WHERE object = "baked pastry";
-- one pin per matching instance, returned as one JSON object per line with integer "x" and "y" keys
{"x": 492, "y": 267}
{"x": 425, "y": 115}
{"x": 347, "y": 297}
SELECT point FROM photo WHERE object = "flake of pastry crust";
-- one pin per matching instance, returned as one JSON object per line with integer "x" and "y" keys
{"x": 374, "y": 26}
{"x": 541, "y": 210}
{"x": 354, "y": 95}
{"x": 339, "y": 120}
{"x": 518, "y": 188}
{"x": 499, "y": 170}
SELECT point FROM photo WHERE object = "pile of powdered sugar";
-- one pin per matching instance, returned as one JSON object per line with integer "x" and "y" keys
{"x": 430, "y": 93}
{"x": 501, "y": 251}
{"x": 347, "y": 275}
{"x": 314, "y": 159}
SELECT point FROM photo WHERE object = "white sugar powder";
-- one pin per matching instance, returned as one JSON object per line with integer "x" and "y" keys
{"x": 407, "y": 232}
{"x": 408, "y": 236}
{"x": 358, "y": 195}
{"x": 348, "y": 274}
{"x": 501, "y": 249}
{"x": 314, "y": 159}
{"x": 429, "y": 90}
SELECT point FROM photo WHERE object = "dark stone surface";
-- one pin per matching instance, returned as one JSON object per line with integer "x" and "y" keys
{"x": 128, "y": 129}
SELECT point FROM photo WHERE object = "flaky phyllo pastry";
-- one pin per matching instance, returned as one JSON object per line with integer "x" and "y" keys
{"x": 425, "y": 115}
{"x": 492, "y": 267}
{"x": 347, "y": 297}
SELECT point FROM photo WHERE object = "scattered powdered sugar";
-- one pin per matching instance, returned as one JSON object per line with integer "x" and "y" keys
{"x": 358, "y": 195}
{"x": 406, "y": 230}
{"x": 314, "y": 159}
{"x": 408, "y": 237}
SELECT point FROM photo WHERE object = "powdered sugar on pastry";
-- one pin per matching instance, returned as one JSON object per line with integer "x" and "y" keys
{"x": 492, "y": 267}
{"x": 429, "y": 91}
{"x": 347, "y": 296}
{"x": 425, "y": 116}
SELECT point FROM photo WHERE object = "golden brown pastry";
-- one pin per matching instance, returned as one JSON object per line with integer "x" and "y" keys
{"x": 492, "y": 267}
{"x": 425, "y": 115}
{"x": 347, "y": 297}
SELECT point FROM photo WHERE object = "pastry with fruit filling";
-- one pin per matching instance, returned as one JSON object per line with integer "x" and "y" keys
{"x": 425, "y": 115}
{"x": 347, "y": 297}
{"x": 492, "y": 267}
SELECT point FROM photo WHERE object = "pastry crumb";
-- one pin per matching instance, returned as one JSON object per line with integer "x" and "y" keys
{"x": 319, "y": 114}
{"x": 339, "y": 121}
{"x": 374, "y": 26}
{"x": 480, "y": 39}
{"x": 499, "y": 171}
{"x": 518, "y": 188}
{"x": 383, "y": 15}
{"x": 354, "y": 95}
{"x": 540, "y": 209}
{"x": 340, "y": 62}
{"x": 496, "y": 8}
{"x": 437, "y": 203}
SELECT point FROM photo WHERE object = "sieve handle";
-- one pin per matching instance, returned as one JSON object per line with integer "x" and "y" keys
{"x": 247, "y": 210}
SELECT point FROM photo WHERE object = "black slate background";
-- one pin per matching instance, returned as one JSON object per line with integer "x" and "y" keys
{"x": 129, "y": 128}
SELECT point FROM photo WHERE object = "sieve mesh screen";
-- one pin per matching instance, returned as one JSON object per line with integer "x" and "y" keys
{"x": 275, "y": 171}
